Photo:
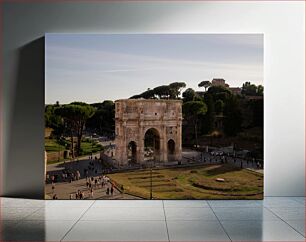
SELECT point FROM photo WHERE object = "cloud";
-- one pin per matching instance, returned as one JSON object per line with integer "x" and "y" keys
{"x": 91, "y": 75}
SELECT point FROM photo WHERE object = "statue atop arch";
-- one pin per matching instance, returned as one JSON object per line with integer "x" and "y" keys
{"x": 148, "y": 129}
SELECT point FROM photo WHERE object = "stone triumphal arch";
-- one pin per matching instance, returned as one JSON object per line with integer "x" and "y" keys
{"x": 148, "y": 127}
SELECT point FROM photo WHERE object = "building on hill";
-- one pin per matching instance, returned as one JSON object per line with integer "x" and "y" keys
{"x": 219, "y": 82}
{"x": 235, "y": 90}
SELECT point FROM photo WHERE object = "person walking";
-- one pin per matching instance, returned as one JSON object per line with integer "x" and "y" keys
{"x": 53, "y": 187}
{"x": 91, "y": 193}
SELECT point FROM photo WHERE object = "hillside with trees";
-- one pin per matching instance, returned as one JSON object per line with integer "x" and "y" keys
{"x": 215, "y": 116}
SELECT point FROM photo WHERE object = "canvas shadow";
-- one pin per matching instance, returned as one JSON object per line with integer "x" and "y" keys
{"x": 25, "y": 150}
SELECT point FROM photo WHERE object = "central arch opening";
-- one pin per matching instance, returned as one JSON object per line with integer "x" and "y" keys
{"x": 152, "y": 145}
{"x": 132, "y": 152}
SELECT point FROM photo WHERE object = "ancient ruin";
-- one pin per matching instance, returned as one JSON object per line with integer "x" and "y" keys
{"x": 148, "y": 129}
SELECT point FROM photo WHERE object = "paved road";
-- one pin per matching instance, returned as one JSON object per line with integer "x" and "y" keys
{"x": 191, "y": 156}
{"x": 63, "y": 189}
{"x": 80, "y": 163}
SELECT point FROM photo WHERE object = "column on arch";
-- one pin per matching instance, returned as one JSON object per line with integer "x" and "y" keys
{"x": 163, "y": 145}
{"x": 140, "y": 145}
{"x": 178, "y": 143}
{"x": 124, "y": 145}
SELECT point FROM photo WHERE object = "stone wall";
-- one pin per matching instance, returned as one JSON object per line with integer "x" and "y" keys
{"x": 134, "y": 117}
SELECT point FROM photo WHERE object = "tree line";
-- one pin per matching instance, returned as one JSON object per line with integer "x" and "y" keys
{"x": 171, "y": 91}
{"x": 201, "y": 109}
{"x": 70, "y": 120}
{"x": 200, "y": 112}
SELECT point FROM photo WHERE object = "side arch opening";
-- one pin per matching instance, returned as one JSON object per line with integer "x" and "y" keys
{"x": 171, "y": 150}
{"x": 132, "y": 152}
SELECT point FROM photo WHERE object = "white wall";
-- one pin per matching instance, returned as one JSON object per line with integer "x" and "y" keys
{"x": 283, "y": 25}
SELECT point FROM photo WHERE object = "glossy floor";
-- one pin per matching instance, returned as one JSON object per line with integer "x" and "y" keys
{"x": 273, "y": 219}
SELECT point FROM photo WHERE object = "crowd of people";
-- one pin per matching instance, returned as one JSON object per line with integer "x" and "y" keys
{"x": 66, "y": 175}
{"x": 226, "y": 158}
{"x": 93, "y": 175}
{"x": 100, "y": 182}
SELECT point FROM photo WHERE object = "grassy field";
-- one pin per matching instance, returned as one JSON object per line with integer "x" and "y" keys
{"x": 53, "y": 147}
{"x": 87, "y": 146}
{"x": 193, "y": 183}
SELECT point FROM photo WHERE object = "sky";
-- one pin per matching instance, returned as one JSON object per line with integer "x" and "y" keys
{"x": 96, "y": 67}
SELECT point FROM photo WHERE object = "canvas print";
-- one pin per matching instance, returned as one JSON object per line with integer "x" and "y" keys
{"x": 154, "y": 116}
